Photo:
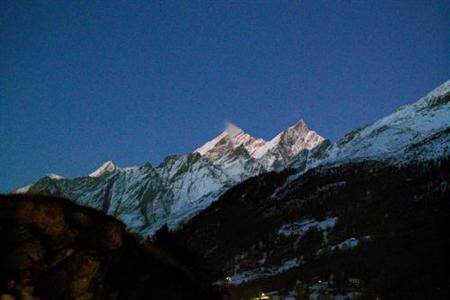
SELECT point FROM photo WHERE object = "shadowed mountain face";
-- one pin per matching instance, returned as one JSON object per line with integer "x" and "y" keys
{"x": 385, "y": 225}
{"x": 53, "y": 249}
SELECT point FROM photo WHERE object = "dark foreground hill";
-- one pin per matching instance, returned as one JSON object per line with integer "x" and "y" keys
{"x": 51, "y": 248}
{"x": 369, "y": 228}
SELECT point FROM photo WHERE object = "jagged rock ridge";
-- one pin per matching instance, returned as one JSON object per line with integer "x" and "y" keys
{"x": 147, "y": 197}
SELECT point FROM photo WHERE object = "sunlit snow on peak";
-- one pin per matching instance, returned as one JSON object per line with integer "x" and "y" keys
{"x": 267, "y": 155}
{"x": 108, "y": 166}
{"x": 54, "y": 176}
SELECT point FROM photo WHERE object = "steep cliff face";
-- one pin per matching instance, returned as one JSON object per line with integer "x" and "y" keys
{"x": 53, "y": 249}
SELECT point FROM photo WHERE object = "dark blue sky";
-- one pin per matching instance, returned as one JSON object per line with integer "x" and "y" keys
{"x": 87, "y": 81}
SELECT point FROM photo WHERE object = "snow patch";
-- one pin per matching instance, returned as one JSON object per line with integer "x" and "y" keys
{"x": 55, "y": 176}
{"x": 344, "y": 245}
{"x": 24, "y": 189}
{"x": 300, "y": 228}
{"x": 239, "y": 278}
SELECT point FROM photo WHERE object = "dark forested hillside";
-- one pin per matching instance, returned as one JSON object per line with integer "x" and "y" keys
{"x": 368, "y": 229}
{"x": 51, "y": 248}
{"x": 382, "y": 226}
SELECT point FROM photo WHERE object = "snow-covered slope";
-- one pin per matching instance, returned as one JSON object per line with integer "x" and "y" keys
{"x": 418, "y": 131}
{"x": 144, "y": 197}
{"x": 391, "y": 135}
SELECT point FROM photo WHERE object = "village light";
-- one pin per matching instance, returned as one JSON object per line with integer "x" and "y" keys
{"x": 263, "y": 297}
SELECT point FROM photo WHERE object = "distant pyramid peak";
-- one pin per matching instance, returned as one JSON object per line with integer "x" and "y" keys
{"x": 300, "y": 124}
{"x": 297, "y": 130}
{"x": 230, "y": 132}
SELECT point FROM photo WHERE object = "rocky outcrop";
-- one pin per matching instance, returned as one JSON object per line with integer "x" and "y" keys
{"x": 51, "y": 248}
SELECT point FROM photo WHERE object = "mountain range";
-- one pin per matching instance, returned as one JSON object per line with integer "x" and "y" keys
{"x": 366, "y": 217}
{"x": 147, "y": 197}
{"x": 299, "y": 215}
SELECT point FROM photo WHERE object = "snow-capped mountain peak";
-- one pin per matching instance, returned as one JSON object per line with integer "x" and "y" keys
{"x": 55, "y": 176}
{"x": 287, "y": 144}
{"x": 270, "y": 155}
{"x": 231, "y": 135}
{"x": 298, "y": 137}
{"x": 300, "y": 124}
{"x": 106, "y": 167}
{"x": 145, "y": 197}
